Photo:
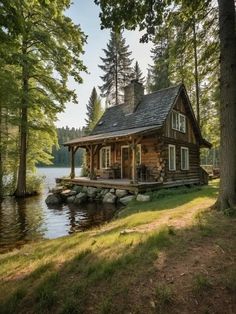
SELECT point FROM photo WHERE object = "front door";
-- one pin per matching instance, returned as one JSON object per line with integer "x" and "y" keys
{"x": 125, "y": 162}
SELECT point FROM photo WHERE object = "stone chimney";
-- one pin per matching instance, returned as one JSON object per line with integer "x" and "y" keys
{"x": 133, "y": 95}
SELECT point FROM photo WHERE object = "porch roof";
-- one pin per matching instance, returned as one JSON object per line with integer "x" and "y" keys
{"x": 111, "y": 135}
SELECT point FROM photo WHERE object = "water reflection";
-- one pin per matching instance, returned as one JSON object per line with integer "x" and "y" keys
{"x": 31, "y": 219}
{"x": 20, "y": 221}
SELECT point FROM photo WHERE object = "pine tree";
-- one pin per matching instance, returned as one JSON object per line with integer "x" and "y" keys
{"x": 94, "y": 111}
{"x": 117, "y": 68}
{"x": 137, "y": 73}
{"x": 45, "y": 41}
{"x": 159, "y": 71}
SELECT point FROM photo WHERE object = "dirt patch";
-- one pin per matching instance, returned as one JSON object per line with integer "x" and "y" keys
{"x": 190, "y": 275}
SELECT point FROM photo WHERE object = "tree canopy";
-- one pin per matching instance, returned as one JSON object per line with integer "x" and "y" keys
{"x": 43, "y": 48}
{"x": 117, "y": 68}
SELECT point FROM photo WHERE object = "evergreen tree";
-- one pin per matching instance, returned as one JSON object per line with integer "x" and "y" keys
{"x": 117, "y": 68}
{"x": 159, "y": 71}
{"x": 137, "y": 73}
{"x": 94, "y": 111}
{"x": 45, "y": 41}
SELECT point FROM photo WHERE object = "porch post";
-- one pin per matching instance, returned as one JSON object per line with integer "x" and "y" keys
{"x": 134, "y": 163}
{"x": 91, "y": 175}
{"x": 72, "y": 162}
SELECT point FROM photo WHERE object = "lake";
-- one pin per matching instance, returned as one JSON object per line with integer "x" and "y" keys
{"x": 30, "y": 219}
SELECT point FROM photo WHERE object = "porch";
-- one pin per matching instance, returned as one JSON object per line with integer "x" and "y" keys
{"x": 121, "y": 184}
{"x": 117, "y": 156}
{"x": 125, "y": 184}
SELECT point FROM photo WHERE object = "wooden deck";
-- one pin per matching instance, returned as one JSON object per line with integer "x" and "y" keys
{"x": 125, "y": 184}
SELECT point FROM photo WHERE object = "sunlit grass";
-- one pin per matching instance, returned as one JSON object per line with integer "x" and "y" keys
{"x": 40, "y": 274}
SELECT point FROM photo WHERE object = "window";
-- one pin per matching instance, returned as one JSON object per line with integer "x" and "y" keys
{"x": 175, "y": 120}
{"x": 178, "y": 121}
{"x": 172, "y": 158}
{"x": 184, "y": 158}
{"x": 182, "y": 123}
{"x": 138, "y": 155}
{"x": 105, "y": 157}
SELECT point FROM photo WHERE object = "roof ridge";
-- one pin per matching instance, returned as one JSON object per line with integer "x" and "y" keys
{"x": 160, "y": 90}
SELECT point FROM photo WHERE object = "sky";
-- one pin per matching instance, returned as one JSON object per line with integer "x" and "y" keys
{"x": 86, "y": 14}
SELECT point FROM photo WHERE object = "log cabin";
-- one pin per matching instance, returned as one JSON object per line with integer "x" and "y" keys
{"x": 150, "y": 138}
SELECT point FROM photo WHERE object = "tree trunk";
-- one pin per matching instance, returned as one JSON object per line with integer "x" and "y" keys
{"x": 196, "y": 71}
{"x": 116, "y": 78}
{"x": 1, "y": 154}
{"x": 21, "y": 182}
{"x": 227, "y": 194}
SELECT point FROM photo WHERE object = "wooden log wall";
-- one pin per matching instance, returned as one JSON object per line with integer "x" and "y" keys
{"x": 194, "y": 161}
{"x": 189, "y": 136}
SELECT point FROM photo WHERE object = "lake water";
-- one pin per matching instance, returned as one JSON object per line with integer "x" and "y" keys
{"x": 30, "y": 219}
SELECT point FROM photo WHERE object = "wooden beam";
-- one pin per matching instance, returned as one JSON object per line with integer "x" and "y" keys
{"x": 91, "y": 168}
{"x": 76, "y": 148}
{"x": 72, "y": 162}
{"x": 134, "y": 163}
{"x": 95, "y": 149}
{"x": 138, "y": 139}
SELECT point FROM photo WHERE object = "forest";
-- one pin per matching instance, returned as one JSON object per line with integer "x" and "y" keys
{"x": 60, "y": 156}
{"x": 187, "y": 43}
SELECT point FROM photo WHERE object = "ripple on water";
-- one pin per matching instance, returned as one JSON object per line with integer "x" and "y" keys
{"x": 31, "y": 219}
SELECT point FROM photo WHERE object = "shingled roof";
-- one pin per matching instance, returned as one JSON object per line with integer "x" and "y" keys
{"x": 150, "y": 114}
{"x": 152, "y": 111}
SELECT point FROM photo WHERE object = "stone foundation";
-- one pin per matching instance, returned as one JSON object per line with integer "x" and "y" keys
{"x": 77, "y": 194}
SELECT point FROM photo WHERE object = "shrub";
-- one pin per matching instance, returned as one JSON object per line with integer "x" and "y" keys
{"x": 34, "y": 183}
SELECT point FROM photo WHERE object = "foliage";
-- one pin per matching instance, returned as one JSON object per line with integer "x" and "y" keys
{"x": 117, "y": 68}
{"x": 43, "y": 49}
{"x": 34, "y": 183}
{"x": 186, "y": 50}
{"x": 60, "y": 156}
{"x": 94, "y": 111}
{"x": 137, "y": 73}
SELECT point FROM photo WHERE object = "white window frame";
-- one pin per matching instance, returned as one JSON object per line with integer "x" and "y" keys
{"x": 187, "y": 158}
{"x": 107, "y": 162}
{"x": 183, "y": 116}
{"x": 174, "y": 112}
{"x": 169, "y": 148}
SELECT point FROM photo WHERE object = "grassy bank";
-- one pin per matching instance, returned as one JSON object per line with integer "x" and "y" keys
{"x": 172, "y": 255}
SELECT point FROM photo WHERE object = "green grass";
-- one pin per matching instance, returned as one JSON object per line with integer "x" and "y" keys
{"x": 201, "y": 283}
{"x": 106, "y": 271}
{"x": 164, "y": 295}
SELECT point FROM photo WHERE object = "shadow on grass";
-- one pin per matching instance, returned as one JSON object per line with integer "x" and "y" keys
{"x": 95, "y": 282}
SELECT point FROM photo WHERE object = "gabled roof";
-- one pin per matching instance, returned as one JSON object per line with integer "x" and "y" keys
{"x": 152, "y": 111}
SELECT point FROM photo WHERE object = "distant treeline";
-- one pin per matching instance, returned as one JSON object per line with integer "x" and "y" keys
{"x": 61, "y": 156}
